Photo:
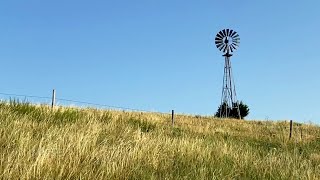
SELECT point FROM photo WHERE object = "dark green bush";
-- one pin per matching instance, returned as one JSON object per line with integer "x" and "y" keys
{"x": 232, "y": 112}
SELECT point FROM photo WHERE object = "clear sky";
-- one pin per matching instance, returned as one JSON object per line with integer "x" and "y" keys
{"x": 160, "y": 54}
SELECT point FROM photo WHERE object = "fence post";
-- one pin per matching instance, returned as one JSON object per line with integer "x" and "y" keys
{"x": 172, "y": 117}
{"x": 290, "y": 129}
{"x": 53, "y": 102}
{"x": 301, "y": 133}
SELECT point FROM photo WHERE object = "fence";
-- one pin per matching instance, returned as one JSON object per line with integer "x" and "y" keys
{"x": 54, "y": 100}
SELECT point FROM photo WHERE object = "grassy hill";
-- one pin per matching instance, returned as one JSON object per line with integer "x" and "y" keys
{"x": 72, "y": 143}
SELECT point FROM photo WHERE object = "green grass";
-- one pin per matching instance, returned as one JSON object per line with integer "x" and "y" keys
{"x": 37, "y": 142}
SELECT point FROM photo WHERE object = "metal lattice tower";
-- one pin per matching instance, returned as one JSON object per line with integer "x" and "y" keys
{"x": 227, "y": 41}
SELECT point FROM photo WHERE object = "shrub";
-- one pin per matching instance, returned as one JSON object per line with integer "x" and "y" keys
{"x": 232, "y": 112}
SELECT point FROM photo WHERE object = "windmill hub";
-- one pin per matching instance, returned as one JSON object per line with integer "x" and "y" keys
{"x": 227, "y": 41}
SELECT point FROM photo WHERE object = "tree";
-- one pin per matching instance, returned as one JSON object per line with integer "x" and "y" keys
{"x": 232, "y": 111}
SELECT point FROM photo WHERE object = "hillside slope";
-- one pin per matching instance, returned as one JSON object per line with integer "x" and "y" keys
{"x": 72, "y": 143}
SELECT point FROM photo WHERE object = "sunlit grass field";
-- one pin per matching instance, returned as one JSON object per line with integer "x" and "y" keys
{"x": 37, "y": 142}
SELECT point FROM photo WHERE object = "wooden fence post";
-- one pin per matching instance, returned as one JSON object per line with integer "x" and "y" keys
{"x": 290, "y": 129}
{"x": 172, "y": 117}
{"x": 53, "y": 102}
{"x": 301, "y": 133}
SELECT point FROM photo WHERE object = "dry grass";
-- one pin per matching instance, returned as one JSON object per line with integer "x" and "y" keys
{"x": 71, "y": 143}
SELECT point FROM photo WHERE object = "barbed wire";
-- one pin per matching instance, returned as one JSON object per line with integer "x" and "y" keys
{"x": 21, "y": 95}
{"x": 104, "y": 105}
{"x": 81, "y": 102}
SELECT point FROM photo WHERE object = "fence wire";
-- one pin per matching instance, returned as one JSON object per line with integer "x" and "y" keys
{"x": 49, "y": 100}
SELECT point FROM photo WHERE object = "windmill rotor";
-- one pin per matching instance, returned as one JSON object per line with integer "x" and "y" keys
{"x": 227, "y": 40}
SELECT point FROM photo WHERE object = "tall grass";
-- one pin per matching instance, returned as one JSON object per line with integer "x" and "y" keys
{"x": 72, "y": 143}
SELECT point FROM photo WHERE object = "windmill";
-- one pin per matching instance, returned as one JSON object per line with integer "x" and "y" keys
{"x": 227, "y": 41}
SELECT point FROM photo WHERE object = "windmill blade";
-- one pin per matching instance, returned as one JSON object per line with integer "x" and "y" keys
{"x": 234, "y": 33}
{"x": 233, "y": 47}
{"x": 235, "y": 44}
{"x": 237, "y": 35}
{"x": 221, "y": 34}
{"x": 227, "y": 32}
{"x": 230, "y": 49}
{"x": 222, "y": 47}
{"x": 219, "y": 42}
{"x": 236, "y": 39}
{"x": 218, "y": 39}
{"x": 219, "y": 46}
{"x": 224, "y": 33}
{"x": 225, "y": 49}
{"x": 231, "y": 32}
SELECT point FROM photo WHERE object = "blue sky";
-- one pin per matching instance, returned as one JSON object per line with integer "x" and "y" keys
{"x": 160, "y": 55}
